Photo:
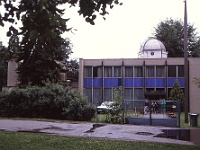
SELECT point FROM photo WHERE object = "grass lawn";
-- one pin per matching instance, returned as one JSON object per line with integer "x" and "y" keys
{"x": 33, "y": 141}
{"x": 187, "y": 125}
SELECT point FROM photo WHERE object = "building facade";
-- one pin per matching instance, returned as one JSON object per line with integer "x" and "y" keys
{"x": 99, "y": 78}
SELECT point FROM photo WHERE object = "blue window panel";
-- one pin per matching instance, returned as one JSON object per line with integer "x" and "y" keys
{"x": 128, "y": 82}
{"x": 181, "y": 82}
{"x": 138, "y": 82}
{"x": 111, "y": 82}
{"x": 171, "y": 82}
{"x": 97, "y": 82}
{"x": 160, "y": 82}
{"x": 87, "y": 82}
{"x": 119, "y": 81}
{"x": 150, "y": 82}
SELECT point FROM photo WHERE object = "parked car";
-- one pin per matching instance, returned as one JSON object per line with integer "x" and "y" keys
{"x": 106, "y": 106}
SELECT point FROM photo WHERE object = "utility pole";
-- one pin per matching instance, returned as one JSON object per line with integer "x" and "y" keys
{"x": 186, "y": 62}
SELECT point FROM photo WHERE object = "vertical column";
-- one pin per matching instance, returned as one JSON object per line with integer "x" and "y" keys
{"x": 81, "y": 75}
{"x": 102, "y": 74}
{"x": 12, "y": 79}
{"x": 186, "y": 62}
{"x": 166, "y": 78}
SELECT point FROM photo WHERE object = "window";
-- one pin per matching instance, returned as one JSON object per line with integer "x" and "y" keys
{"x": 160, "y": 71}
{"x": 138, "y": 71}
{"x": 107, "y": 71}
{"x": 88, "y": 93}
{"x": 138, "y": 93}
{"x": 128, "y": 71}
{"x": 117, "y": 72}
{"x": 87, "y": 71}
{"x": 128, "y": 93}
{"x": 97, "y": 96}
{"x": 181, "y": 71}
{"x": 172, "y": 71}
{"x": 150, "y": 90}
{"x": 107, "y": 94}
{"x": 97, "y": 71}
{"x": 160, "y": 90}
{"x": 150, "y": 71}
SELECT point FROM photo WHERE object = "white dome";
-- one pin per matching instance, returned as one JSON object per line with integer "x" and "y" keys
{"x": 152, "y": 48}
{"x": 152, "y": 44}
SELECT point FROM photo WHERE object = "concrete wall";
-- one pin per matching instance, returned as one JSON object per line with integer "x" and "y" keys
{"x": 194, "y": 71}
{"x": 194, "y": 91}
{"x": 12, "y": 75}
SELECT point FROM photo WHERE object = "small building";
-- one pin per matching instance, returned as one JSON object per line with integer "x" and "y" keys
{"x": 151, "y": 72}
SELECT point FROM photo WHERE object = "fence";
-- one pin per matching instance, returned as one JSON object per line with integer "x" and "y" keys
{"x": 152, "y": 112}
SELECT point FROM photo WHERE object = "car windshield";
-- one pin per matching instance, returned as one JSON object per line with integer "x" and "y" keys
{"x": 107, "y": 104}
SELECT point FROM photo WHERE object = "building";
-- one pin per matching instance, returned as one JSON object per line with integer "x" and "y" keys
{"x": 152, "y": 72}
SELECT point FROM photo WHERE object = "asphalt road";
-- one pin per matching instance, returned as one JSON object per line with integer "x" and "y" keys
{"x": 103, "y": 131}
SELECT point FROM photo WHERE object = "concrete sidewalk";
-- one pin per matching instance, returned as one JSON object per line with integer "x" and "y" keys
{"x": 118, "y": 132}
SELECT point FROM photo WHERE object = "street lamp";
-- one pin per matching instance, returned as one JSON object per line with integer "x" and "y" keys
{"x": 186, "y": 62}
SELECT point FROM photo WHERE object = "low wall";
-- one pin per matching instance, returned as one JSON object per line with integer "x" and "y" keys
{"x": 171, "y": 122}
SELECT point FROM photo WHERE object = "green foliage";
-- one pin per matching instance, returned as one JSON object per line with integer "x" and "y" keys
{"x": 42, "y": 45}
{"x": 87, "y": 8}
{"x": 42, "y": 26}
{"x": 114, "y": 115}
{"x": 51, "y": 101}
{"x": 72, "y": 69}
{"x": 176, "y": 93}
{"x": 171, "y": 33}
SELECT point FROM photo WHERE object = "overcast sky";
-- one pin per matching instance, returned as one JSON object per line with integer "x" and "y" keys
{"x": 124, "y": 29}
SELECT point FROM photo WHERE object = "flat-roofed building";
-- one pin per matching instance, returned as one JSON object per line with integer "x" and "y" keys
{"x": 98, "y": 78}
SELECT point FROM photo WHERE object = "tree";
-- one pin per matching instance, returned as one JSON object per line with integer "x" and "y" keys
{"x": 72, "y": 70}
{"x": 176, "y": 93}
{"x": 171, "y": 33}
{"x": 87, "y": 8}
{"x": 42, "y": 46}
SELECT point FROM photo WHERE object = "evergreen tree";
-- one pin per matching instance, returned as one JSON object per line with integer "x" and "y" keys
{"x": 176, "y": 93}
{"x": 42, "y": 46}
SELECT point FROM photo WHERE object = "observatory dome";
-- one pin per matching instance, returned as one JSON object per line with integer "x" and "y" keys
{"x": 152, "y": 48}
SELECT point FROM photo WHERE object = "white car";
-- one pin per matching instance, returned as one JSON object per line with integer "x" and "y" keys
{"x": 105, "y": 106}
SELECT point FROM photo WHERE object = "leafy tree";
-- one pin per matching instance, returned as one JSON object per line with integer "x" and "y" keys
{"x": 176, "y": 93}
{"x": 171, "y": 33}
{"x": 72, "y": 70}
{"x": 13, "y": 46}
{"x": 87, "y": 8}
{"x": 42, "y": 26}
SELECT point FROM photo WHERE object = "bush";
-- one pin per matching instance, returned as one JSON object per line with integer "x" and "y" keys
{"x": 52, "y": 101}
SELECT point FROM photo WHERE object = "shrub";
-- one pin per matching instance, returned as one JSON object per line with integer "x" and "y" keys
{"x": 52, "y": 101}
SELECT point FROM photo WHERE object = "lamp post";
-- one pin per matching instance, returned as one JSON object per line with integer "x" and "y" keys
{"x": 186, "y": 62}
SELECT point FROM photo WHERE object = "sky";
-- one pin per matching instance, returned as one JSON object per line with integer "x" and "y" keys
{"x": 125, "y": 28}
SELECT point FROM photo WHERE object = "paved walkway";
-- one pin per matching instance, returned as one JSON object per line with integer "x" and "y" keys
{"x": 156, "y": 116}
{"x": 119, "y": 132}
